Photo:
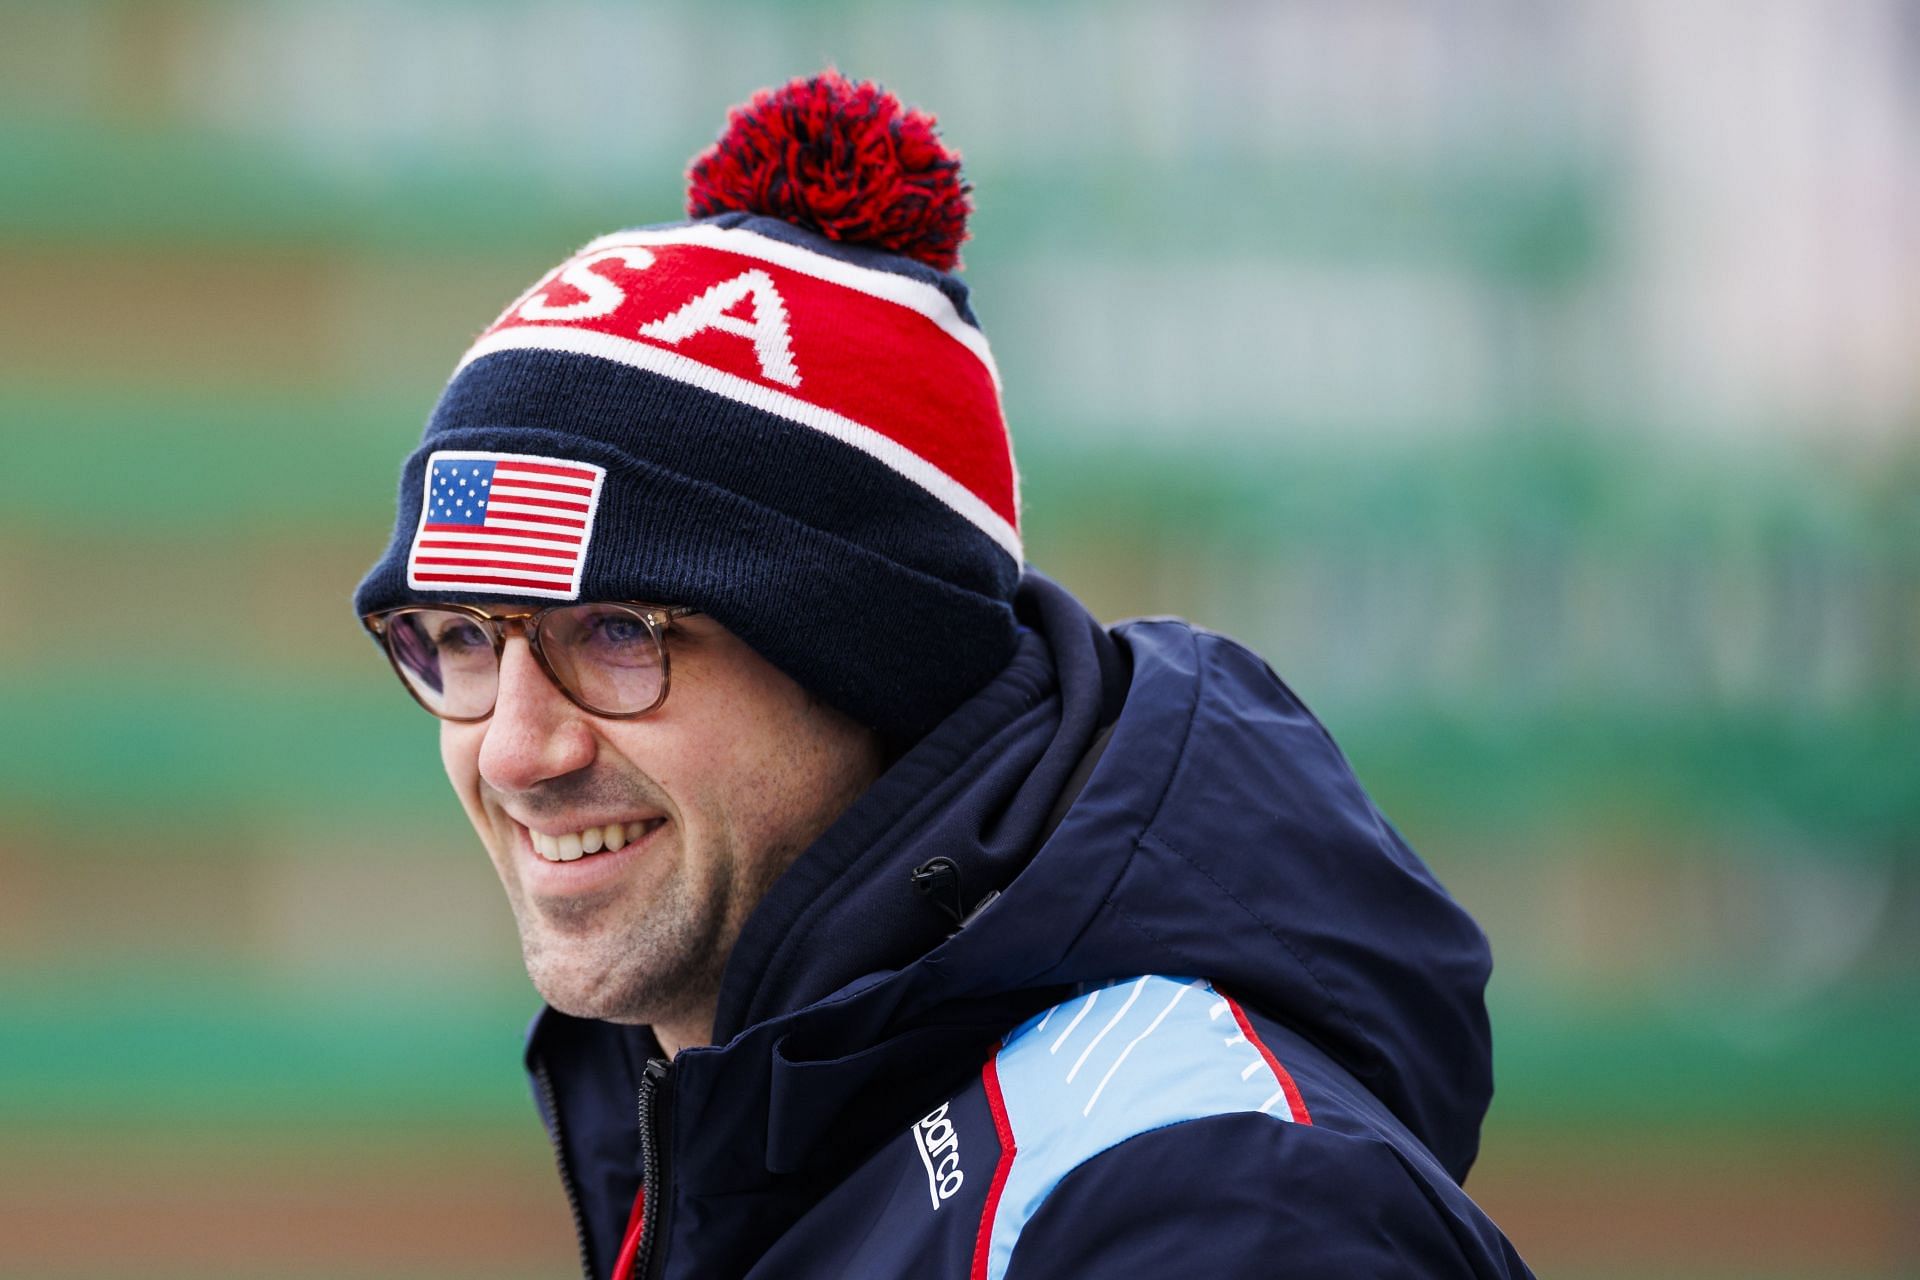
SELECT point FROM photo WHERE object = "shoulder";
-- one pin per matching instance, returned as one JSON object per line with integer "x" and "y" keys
{"x": 1119, "y": 1059}
{"x": 1150, "y": 1123}
{"x": 1107, "y": 1066}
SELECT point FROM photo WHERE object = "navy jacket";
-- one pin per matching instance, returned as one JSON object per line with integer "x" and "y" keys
{"x": 1206, "y": 1013}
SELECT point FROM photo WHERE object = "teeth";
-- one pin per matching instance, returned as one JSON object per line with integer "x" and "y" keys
{"x": 578, "y": 844}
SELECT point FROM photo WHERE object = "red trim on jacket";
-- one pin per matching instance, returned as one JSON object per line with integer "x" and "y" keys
{"x": 1292, "y": 1090}
{"x": 630, "y": 1246}
{"x": 1003, "y": 1128}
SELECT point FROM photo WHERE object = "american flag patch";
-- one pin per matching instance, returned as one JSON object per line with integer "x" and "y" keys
{"x": 504, "y": 523}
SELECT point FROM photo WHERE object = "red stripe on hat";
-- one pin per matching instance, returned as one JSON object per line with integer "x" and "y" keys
{"x": 545, "y": 469}
{"x": 518, "y": 483}
{"x": 489, "y": 580}
{"x": 544, "y": 536}
{"x": 876, "y": 362}
{"x": 515, "y": 566}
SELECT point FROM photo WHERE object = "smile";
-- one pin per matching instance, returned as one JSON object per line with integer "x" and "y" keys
{"x": 578, "y": 844}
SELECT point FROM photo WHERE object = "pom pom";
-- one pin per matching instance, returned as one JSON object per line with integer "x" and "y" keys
{"x": 845, "y": 160}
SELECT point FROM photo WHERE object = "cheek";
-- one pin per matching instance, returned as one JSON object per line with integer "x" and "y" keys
{"x": 799, "y": 777}
{"x": 716, "y": 746}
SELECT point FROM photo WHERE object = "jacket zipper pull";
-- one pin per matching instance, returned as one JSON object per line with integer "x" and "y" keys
{"x": 655, "y": 1098}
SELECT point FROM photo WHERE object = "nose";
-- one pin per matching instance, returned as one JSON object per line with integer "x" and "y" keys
{"x": 534, "y": 734}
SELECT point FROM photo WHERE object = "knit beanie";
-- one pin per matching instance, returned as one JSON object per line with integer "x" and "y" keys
{"x": 781, "y": 412}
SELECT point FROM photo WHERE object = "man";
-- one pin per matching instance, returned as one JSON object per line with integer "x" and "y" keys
{"x": 893, "y": 917}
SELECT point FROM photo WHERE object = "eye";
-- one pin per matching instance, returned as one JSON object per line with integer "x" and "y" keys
{"x": 459, "y": 636}
{"x": 620, "y": 629}
{"x": 613, "y": 637}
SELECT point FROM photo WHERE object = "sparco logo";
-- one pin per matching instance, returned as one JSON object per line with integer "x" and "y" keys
{"x": 939, "y": 1148}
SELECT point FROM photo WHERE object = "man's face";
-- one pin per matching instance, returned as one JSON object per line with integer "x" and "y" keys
{"x": 728, "y": 781}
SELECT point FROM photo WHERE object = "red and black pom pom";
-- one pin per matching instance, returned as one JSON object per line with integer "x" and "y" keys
{"x": 847, "y": 160}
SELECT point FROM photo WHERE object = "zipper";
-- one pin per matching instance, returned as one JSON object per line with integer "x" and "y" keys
{"x": 549, "y": 1100}
{"x": 656, "y": 1109}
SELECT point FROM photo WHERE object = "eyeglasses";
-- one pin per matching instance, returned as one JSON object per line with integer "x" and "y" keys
{"x": 608, "y": 658}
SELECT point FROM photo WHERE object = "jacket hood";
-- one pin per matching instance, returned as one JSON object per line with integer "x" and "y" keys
{"x": 1223, "y": 835}
{"x": 1147, "y": 800}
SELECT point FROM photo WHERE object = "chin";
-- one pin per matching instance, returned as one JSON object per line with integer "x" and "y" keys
{"x": 585, "y": 997}
{"x": 583, "y": 981}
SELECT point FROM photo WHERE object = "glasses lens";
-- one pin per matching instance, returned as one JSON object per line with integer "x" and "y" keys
{"x": 607, "y": 654}
{"x": 447, "y": 659}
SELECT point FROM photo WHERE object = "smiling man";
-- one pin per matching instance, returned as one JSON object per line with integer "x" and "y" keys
{"x": 893, "y": 917}
{"x": 633, "y": 850}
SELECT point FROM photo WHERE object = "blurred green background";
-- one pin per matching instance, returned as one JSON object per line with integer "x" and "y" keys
{"x": 1537, "y": 386}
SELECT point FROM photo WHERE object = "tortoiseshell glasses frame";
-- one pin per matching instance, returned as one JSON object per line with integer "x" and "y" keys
{"x": 608, "y": 657}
